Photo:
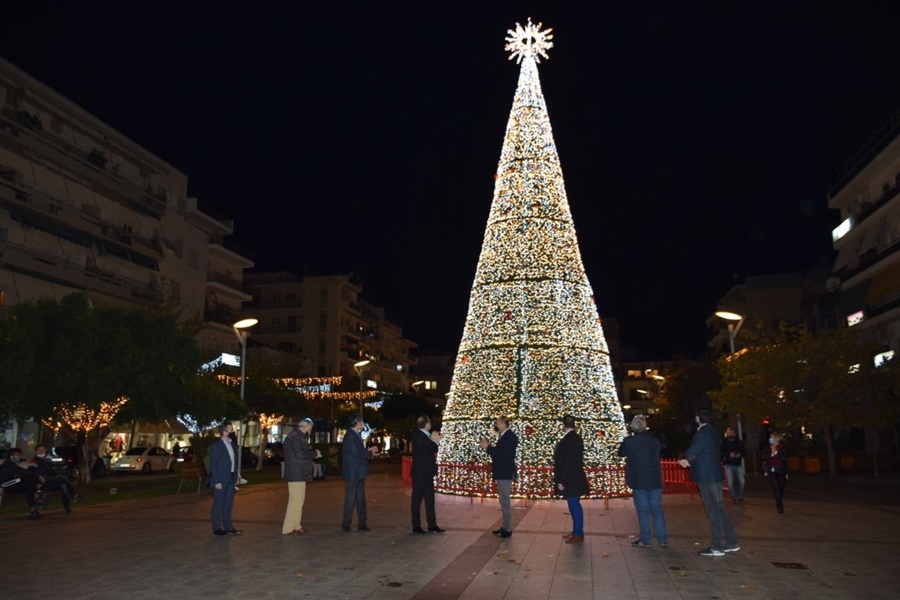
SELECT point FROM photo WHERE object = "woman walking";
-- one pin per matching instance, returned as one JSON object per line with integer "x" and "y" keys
{"x": 775, "y": 463}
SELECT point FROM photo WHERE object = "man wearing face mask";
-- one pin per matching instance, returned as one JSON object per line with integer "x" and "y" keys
{"x": 503, "y": 469}
{"x": 222, "y": 478}
{"x": 52, "y": 481}
{"x": 15, "y": 467}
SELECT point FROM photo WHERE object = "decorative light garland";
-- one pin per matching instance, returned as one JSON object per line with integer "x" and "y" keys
{"x": 82, "y": 417}
{"x": 533, "y": 346}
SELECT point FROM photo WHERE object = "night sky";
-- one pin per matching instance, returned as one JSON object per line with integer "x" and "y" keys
{"x": 697, "y": 144}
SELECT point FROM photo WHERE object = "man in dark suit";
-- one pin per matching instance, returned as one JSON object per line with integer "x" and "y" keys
{"x": 222, "y": 478}
{"x": 569, "y": 478}
{"x": 503, "y": 469}
{"x": 424, "y": 468}
{"x": 355, "y": 467}
{"x": 703, "y": 457}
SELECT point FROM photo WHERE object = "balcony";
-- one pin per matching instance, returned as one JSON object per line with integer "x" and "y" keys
{"x": 19, "y": 131}
{"x": 227, "y": 285}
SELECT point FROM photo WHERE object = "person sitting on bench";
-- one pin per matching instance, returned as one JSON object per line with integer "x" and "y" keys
{"x": 15, "y": 467}
{"x": 52, "y": 481}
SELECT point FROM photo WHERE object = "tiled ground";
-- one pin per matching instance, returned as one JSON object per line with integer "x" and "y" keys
{"x": 840, "y": 536}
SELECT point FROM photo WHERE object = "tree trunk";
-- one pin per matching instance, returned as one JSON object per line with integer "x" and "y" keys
{"x": 84, "y": 461}
{"x": 261, "y": 451}
{"x": 829, "y": 445}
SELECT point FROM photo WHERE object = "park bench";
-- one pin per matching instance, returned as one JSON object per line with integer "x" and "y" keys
{"x": 191, "y": 471}
{"x": 8, "y": 488}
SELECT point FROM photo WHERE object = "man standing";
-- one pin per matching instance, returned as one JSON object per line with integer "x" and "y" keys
{"x": 355, "y": 461}
{"x": 569, "y": 477}
{"x": 733, "y": 458}
{"x": 424, "y": 468}
{"x": 643, "y": 475}
{"x": 298, "y": 457}
{"x": 503, "y": 469}
{"x": 703, "y": 458}
{"x": 222, "y": 478}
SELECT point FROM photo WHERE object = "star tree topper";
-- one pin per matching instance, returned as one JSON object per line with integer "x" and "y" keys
{"x": 528, "y": 41}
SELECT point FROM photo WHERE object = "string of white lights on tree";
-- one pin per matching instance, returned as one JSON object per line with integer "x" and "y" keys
{"x": 533, "y": 346}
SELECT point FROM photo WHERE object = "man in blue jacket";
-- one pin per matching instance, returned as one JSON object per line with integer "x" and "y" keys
{"x": 503, "y": 469}
{"x": 222, "y": 478}
{"x": 703, "y": 457}
{"x": 354, "y": 468}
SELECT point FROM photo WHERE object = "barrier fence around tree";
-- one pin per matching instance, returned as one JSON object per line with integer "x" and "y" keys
{"x": 472, "y": 479}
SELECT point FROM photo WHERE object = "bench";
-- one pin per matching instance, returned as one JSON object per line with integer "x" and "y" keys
{"x": 9, "y": 488}
{"x": 191, "y": 471}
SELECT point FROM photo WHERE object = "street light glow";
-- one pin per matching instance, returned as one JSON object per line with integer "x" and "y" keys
{"x": 245, "y": 323}
{"x": 728, "y": 315}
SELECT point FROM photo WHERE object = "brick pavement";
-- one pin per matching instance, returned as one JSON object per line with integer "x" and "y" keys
{"x": 835, "y": 540}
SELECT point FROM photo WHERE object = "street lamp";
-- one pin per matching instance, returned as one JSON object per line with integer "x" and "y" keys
{"x": 358, "y": 366}
{"x": 241, "y": 330}
{"x": 415, "y": 386}
{"x": 732, "y": 333}
{"x": 732, "y": 328}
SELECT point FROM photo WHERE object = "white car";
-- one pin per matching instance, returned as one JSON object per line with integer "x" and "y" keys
{"x": 144, "y": 460}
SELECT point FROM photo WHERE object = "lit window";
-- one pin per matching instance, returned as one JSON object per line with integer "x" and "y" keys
{"x": 855, "y": 318}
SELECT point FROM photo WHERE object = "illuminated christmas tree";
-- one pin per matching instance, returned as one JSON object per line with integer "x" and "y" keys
{"x": 532, "y": 347}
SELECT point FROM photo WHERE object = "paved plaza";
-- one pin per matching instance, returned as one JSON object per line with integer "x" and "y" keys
{"x": 836, "y": 539}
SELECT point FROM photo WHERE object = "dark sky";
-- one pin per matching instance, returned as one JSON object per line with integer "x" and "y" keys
{"x": 697, "y": 143}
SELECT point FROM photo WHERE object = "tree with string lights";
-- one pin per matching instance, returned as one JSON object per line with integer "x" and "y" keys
{"x": 533, "y": 346}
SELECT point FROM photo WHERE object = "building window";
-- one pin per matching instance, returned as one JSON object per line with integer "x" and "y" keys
{"x": 193, "y": 258}
{"x": 431, "y": 385}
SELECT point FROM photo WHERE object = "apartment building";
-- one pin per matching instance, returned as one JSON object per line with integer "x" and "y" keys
{"x": 84, "y": 208}
{"x": 325, "y": 320}
{"x": 867, "y": 268}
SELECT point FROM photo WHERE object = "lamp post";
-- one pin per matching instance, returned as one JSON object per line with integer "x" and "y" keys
{"x": 358, "y": 366}
{"x": 733, "y": 329}
{"x": 241, "y": 330}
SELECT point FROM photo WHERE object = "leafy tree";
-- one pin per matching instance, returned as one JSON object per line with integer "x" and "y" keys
{"x": 685, "y": 389}
{"x": 70, "y": 358}
{"x": 400, "y": 413}
{"x": 799, "y": 380}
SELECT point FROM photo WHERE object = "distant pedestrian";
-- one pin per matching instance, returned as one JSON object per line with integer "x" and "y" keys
{"x": 643, "y": 474}
{"x": 703, "y": 458}
{"x": 355, "y": 467}
{"x": 424, "y": 468}
{"x": 503, "y": 469}
{"x": 775, "y": 465}
{"x": 298, "y": 469}
{"x": 733, "y": 459}
{"x": 569, "y": 478}
{"x": 223, "y": 476}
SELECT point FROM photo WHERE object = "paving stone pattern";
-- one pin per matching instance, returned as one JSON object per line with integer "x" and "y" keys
{"x": 836, "y": 540}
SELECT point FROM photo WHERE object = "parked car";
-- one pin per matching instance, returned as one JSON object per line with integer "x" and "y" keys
{"x": 274, "y": 453}
{"x": 248, "y": 458}
{"x": 66, "y": 460}
{"x": 144, "y": 459}
{"x": 185, "y": 454}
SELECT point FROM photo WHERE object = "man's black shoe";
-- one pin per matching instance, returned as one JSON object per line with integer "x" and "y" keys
{"x": 419, "y": 530}
{"x": 219, "y": 532}
{"x": 497, "y": 531}
{"x": 436, "y": 529}
{"x": 364, "y": 528}
{"x": 504, "y": 534}
{"x": 346, "y": 528}
{"x": 36, "y": 515}
{"x": 234, "y": 531}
